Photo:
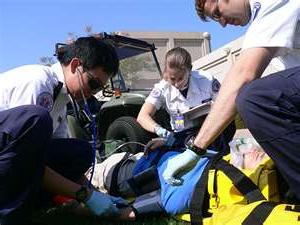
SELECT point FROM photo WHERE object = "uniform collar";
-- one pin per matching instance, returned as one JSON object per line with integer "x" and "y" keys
{"x": 255, "y": 6}
{"x": 193, "y": 86}
{"x": 174, "y": 93}
{"x": 57, "y": 68}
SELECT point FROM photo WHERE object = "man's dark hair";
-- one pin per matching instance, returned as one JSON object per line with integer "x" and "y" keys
{"x": 92, "y": 52}
{"x": 199, "y": 6}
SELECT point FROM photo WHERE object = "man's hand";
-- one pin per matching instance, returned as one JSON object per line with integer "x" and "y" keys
{"x": 104, "y": 205}
{"x": 177, "y": 164}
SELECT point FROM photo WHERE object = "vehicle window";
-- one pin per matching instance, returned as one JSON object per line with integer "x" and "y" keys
{"x": 140, "y": 72}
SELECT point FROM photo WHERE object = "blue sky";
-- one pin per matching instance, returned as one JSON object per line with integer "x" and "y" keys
{"x": 29, "y": 29}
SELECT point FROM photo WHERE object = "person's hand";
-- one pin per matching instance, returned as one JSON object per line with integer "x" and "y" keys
{"x": 125, "y": 213}
{"x": 164, "y": 133}
{"x": 153, "y": 144}
{"x": 177, "y": 164}
{"x": 161, "y": 132}
{"x": 159, "y": 142}
{"x": 103, "y": 204}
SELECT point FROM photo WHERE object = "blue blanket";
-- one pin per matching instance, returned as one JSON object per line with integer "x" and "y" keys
{"x": 175, "y": 199}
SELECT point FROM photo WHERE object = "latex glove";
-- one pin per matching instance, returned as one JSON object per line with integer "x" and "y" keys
{"x": 104, "y": 205}
{"x": 161, "y": 132}
{"x": 165, "y": 134}
{"x": 178, "y": 163}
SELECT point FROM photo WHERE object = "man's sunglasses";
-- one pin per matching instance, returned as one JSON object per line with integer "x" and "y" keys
{"x": 94, "y": 84}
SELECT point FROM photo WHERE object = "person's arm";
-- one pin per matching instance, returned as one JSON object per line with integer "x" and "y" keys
{"x": 249, "y": 66}
{"x": 145, "y": 117}
{"x": 57, "y": 184}
{"x": 99, "y": 203}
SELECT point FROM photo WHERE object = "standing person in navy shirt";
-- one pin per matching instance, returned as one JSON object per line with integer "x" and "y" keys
{"x": 269, "y": 106}
{"x": 35, "y": 150}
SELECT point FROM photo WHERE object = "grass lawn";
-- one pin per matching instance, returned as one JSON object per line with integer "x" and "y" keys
{"x": 57, "y": 216}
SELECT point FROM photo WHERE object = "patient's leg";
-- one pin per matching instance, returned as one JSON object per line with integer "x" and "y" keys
{"x": 104, "y": 173}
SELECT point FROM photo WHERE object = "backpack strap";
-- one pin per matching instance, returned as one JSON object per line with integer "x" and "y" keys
{"x": 198, "y": 196}
{"x": 243, "y": 183}
{"x": 260, "y": 213}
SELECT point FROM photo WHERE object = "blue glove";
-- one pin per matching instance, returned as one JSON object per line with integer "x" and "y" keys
{"x": 170, "y": 139}
{"x": 103, "y": 204}
{"x": 178, "y": 163}
{"x": 166, "y": 135}
{"x": 161, "y": 132}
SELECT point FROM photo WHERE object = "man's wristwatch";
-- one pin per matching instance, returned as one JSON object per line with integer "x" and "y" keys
{"x": 82, "y": 194}
{"x": 190, "y": 145}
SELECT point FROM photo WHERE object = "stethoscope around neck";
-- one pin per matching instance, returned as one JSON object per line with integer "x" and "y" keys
{"x": 85, "y": 114}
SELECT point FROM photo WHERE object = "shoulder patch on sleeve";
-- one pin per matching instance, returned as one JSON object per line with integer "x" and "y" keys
{"x": 45, "y": 99}
{"x": 215, "y": 86}
{"x": 155, "y": 93}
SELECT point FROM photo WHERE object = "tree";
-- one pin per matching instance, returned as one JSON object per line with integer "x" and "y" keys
{"x": 49, "y": 60}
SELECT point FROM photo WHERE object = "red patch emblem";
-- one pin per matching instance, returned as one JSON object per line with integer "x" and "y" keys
{"x": 45, "y": 99}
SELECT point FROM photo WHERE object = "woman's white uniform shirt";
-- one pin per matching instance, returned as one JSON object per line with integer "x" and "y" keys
{"x": 34, "y": 84}
{"x": 275, "y": 23}
{"x": 202, "y": 86}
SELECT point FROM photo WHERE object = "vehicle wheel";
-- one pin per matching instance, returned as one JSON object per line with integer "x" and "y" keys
{"x": 127, "y": 129}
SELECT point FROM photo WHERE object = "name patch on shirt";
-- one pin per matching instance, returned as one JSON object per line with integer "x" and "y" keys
{"x": 45, "y": 99}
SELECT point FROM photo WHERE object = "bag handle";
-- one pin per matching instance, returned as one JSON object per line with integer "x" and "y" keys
{"x": 243, "y": 183}
{"x": 260, "y": 213}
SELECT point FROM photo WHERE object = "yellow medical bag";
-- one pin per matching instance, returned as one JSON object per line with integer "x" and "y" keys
{"x": 223, "y": 192}
{"x": 256, "y": 213}
{"x": 227, "y": 185}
